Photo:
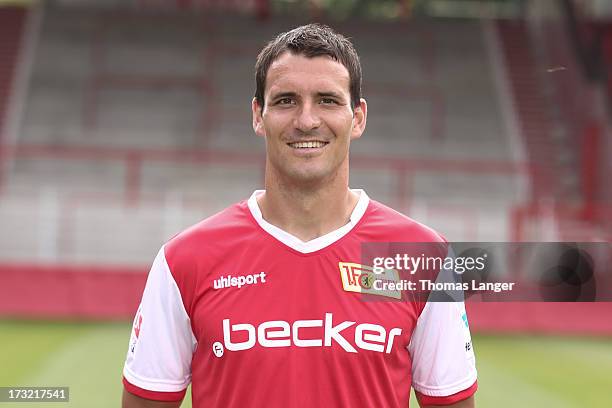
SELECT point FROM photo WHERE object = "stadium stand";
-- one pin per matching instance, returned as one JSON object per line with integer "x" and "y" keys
{"x": 137, "y": 124}
{"x": 12, "y": 26}
{"x": 560, "y": 111}
{"x": 147, "y": 105}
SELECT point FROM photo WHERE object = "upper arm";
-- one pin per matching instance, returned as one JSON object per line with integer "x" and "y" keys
{"x": 443, "y": 361}
{"x": 158, "y": 362}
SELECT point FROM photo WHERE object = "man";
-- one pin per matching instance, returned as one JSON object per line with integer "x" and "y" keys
{"x": 249, "y": 305}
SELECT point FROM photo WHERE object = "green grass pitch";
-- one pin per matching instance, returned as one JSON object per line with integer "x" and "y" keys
{"x": 513, "y": 371}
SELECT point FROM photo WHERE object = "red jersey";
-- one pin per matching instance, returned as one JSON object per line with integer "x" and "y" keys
{"x": 252, "y": 316}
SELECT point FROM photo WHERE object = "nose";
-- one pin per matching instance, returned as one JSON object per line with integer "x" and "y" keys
{"x": 307, "y": 118}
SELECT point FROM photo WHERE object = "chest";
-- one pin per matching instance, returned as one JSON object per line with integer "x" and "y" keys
{"x": 265, "y": 299}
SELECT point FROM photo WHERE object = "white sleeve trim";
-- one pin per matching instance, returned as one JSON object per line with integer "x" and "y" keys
{"x": 445, "y": 391}
{"x": 152, "y": 384}
{"x": 162, "y": 341}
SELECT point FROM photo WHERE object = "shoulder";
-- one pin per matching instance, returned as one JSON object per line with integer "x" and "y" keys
{"x": 210, "y": 237}
{"x": 385, "y": 223}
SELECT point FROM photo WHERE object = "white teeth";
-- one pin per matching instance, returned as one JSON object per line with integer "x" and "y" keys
{"x": 303, "y": 145}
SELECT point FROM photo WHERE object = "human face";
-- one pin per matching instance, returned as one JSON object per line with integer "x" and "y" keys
{"x": 307, "y": 120}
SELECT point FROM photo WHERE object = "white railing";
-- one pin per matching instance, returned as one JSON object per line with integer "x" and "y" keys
{"x": 49, "y": 226}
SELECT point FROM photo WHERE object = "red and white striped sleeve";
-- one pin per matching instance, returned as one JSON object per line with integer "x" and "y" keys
{"x": 158, "y": 362}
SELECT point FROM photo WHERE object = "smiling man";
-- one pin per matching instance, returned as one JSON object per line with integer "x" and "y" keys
{"x": 252, "y": 305}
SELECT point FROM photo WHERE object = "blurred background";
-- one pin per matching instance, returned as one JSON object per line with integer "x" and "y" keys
{"x": 124, "y": 121}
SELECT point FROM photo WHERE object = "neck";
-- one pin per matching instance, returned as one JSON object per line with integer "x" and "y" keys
{"x": 307, "y": 212}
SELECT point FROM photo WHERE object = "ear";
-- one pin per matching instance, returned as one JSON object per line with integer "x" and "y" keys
{"x": 360, "y": 117}
{"x": 257, "y": 118}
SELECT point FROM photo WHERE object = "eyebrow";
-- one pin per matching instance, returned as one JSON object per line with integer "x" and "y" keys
{"x": 330, "y": 93}
{"x": 319, "y": 94}
{"x": 283, "y": 95}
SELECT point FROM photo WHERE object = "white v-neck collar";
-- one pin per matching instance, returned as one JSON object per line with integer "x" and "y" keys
{"x": 317, "y": 243}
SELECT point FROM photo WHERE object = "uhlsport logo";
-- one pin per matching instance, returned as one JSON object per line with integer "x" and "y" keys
{"x": 230, "y": 281}
{"x": 360, "y": 279}
{"x": 280, "y": 333}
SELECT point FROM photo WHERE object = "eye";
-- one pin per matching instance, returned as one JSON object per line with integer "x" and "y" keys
{"x": 285, "y": 101}
{"x": 328, "y": 101}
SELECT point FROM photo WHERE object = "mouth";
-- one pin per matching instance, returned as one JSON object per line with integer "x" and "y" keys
{"x": 310, "y": 144}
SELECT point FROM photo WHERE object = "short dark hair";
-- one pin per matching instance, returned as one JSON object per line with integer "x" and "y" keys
{"x": 310, "y": 40}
